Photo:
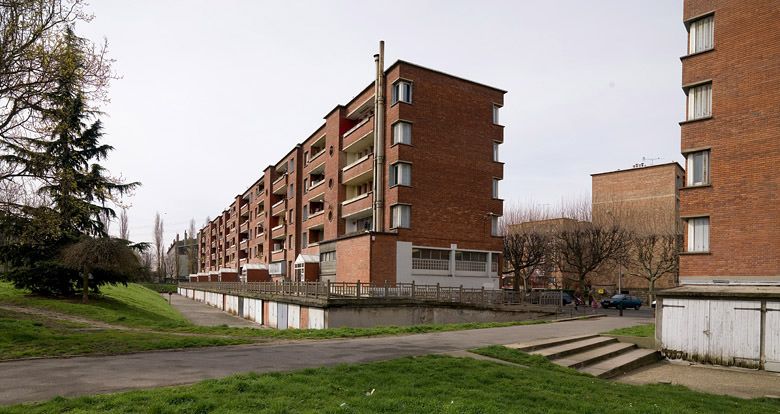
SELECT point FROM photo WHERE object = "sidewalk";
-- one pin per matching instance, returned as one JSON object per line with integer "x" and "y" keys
{"x": 737, "y": 382}
{"x": 204, "y": 315}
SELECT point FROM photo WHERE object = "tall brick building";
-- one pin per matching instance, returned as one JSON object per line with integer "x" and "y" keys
{"x": 645, "y": 199}
{"x": 728, "y": 309}
{"x": 731, "y": 141}
{"x": 398, "y": 184}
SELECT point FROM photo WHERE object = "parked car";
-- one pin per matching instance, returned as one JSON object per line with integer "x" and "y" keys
{"x": 622, "y": 302}
{"x": 552, "y": 298}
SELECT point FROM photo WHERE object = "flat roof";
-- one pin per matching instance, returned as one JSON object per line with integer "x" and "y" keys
{"x": 731, "y": 291}
{"x": 666, "y": 164}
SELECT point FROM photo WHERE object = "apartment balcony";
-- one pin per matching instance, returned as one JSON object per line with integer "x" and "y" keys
{"x": 279, "y": 208}
{"x": 244, "y": 227}
{"x": 231, "y": 250}
{"x": 278, "y": 232}
{"x": 280, "y": 185}
{"x": 277, "y": 256}
{"x": 358, "y": 132}
{"x": 316, "y": 157}
{"x": 359, "y": 171}
{"x": 245, "y": 209}
{"x": 316, "y": 219}
{"x": 241, "y": 262}
{"x": 357, "y": 205}
{"x": 242, "y": 245}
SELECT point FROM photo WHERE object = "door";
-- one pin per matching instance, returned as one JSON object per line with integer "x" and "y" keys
{"x": 281, "y": 316}
{"x": 735, "y": 332}
{"x": 772, "y": 336}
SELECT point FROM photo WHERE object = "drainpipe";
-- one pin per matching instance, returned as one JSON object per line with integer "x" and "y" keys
{"x": 379, "y": 140}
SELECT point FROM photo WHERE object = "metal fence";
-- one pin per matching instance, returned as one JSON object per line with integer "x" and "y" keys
{"x": 362, "y": 291}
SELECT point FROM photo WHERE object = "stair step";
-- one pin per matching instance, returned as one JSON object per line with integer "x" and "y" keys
{"x": 622, "y": 363}
{"x": 561, "y": 351}
{"x": 593, "y": 356}
{"x": 546, "y": 343}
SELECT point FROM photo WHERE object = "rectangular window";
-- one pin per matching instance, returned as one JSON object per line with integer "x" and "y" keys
{"x": 328, "y": 256}
{"x": 291, "y": 167}
{"x": 698, "y": 168}
{"x": 700, "y": 101}
{"x": 496, "y": 109}
{"x": 699, "y": 234}
{"x": 402, "y": 133}
{"x": 291, "y": 191}
{"x": 495, "y": 151}
{"x": 291, "y": 217}
{"x": 400, "y": 216}
{"x": 304, "y": 240}
{"x": 402, "y": 92}
{"x": 495, "y": 230}
{"x": 290, "y": 243}
{"x": 495, "y": 187}
{"x": 701, "y": 34}
{"x": 401, "y": 174}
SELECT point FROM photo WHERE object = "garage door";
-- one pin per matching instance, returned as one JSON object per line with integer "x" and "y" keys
{"x": 772, "y": 340}
{"x": 716, "y": 331}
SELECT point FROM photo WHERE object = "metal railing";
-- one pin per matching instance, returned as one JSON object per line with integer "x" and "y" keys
{"x": 363, "y": 291}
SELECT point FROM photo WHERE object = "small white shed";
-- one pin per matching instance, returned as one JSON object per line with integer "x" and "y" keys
{"x": 724, "y": 325}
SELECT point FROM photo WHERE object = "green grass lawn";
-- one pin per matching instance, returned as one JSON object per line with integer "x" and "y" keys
{"x": 642, "y": 331}
{"x": 137, "y": 308}
{"x": 430, "y": 384}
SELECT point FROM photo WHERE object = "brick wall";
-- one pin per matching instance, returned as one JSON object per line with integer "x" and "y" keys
{"x": 743, "y": 201}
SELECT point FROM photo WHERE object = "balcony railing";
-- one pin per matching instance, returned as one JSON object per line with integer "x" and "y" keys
{"x": 356, "y": 204}
{"x": 278, "y": 208}
{"x": 430, "y": 264}
{"x": 358, "y": 171}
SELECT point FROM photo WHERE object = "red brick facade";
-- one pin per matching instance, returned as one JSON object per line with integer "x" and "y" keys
{"x": 331, "y": 202}
{"x": 741, "y": 198}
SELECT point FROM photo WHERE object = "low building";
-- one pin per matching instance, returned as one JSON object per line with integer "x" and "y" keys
{"x": 182, "y": 258}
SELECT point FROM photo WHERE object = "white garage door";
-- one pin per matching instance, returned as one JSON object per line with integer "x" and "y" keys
{"x": 772, "y": 340}
{"x": 716, "y": 331}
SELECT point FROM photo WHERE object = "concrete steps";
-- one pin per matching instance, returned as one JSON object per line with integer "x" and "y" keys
{"x": 600, "y": 356}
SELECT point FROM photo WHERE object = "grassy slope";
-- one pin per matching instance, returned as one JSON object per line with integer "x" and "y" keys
{"x": 431, "y": 384}
{"x": 642, "y": 331}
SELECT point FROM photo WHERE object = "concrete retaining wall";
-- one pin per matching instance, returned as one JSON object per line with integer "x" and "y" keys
{"x": 283, "y": 315}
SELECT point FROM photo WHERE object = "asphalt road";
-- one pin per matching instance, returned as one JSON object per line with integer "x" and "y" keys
{"x": 42, "y": 379}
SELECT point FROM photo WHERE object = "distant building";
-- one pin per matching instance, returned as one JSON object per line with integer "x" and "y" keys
{"x": 181, "y": 257}
{"x": 727, "y": 310}
{"x": 644, "y": 199}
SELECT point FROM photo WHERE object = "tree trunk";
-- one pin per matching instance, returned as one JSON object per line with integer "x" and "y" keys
{"x": 651, "y": 291}
{"x": 85, "y": 287}
{"x": 516, "y": 281}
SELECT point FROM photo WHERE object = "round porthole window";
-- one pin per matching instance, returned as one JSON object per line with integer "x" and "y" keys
{"x": 330, "y": 183}
{"x": 330, "y": 151}
{"x": 330, "y": 216}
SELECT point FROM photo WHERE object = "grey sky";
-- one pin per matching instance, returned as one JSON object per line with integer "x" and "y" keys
{"x": 215, "y": 91}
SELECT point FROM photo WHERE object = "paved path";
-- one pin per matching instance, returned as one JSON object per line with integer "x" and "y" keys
{"x": 35, "y": 380}
{"x": 204, "y": 315}
{"x": 737, "y": 382}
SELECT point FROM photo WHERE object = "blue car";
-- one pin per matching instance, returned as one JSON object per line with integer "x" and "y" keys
{"x": 622, "y": 302}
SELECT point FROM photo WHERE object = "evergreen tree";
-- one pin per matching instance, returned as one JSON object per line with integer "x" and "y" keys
{"x": 75, "y": 186}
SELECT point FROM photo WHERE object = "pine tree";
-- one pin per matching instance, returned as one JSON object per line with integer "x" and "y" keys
{"x": 76, "y": 187}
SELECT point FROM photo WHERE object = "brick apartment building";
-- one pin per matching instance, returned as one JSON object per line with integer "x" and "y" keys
{"x": 728, "y": 309}
{"x": 398, "y": 184}
{"x": 645, "y": 199}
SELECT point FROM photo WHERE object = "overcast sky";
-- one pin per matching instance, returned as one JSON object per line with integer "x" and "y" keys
{"x": 214, "y": 91}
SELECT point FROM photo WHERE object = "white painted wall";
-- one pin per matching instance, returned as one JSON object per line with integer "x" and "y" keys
{"x": 405, "y": 273}
{"x": 294, "y": 316}
{"x": 316, "y": 318}
{"x": 272, "y": 317}
{"x": 772, "y": 339}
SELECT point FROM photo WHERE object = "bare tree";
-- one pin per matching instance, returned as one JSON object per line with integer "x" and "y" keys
{"x": 583, "y": 246}
{"x": 159, "y": 245}
{"x": 31, "y": 56}
{"x": 124, "y": 230}
{"x": 526, "y": 242}
{"x": 192, "y": 248}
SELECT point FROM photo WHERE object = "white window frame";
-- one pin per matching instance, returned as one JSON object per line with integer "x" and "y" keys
{"x": 496, "y": 110}
{"x": 402, "y": 133}
{"x": 690, "y": 173}
{"x": 495, "y": 229}
{"x": 398, "y": 213}
{"x": 699, "y": 101}
{"x": 701, "y": 34}
{"x": 698, "y": 234}
{"x": 495, "y": 188}
{"x": 401, "y": 174}
{"x": 402, "y": 91}
{"x": 496, "y": 151}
